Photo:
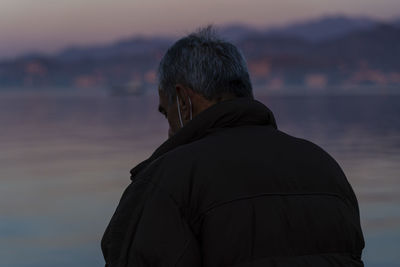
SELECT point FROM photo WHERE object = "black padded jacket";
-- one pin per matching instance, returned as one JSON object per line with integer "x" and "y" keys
{"x": 230, "y": 189}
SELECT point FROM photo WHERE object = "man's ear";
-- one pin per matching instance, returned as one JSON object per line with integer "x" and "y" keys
{"x": 183, "y": 94}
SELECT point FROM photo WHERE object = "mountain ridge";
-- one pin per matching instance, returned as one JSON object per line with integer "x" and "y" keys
{"x": 369, "y": 55}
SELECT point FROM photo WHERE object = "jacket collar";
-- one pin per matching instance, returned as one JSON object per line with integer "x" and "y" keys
{"x": 229, "y": 113}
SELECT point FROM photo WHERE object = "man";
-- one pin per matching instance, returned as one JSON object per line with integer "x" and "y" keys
{"x": 228, "y": 188}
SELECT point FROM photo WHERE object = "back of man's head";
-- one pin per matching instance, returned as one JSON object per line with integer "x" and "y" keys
{"x": 207, "y": 64}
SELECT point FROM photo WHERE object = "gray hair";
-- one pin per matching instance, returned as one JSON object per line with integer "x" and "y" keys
{"x": 205, "y": 63}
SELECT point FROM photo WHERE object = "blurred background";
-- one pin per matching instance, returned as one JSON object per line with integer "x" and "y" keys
{"x": 78, "y": 107}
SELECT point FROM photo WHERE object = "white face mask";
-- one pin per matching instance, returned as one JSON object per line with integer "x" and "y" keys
{"x": 179, "y": 110}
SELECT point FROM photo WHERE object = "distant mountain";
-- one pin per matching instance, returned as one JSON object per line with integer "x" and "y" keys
{"x": 396, "y": 22}
{"x": 324, "y": 28}
{"x": 332, "y": 51}
{"x": 379, "y": 47}
{"x": 129, "y": 47}
{"x": 235, "y": 32}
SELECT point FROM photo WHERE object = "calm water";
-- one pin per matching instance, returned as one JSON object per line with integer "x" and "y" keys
{"x": 65, "y": 160}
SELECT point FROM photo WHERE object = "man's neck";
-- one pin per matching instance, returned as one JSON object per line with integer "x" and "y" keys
{"x": 204, "y": 103}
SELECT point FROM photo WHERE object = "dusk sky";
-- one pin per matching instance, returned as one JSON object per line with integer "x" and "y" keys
{"x": 51, "y": 25}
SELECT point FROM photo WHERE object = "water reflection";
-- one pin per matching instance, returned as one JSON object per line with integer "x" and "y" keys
{"x": 65, "y": 160}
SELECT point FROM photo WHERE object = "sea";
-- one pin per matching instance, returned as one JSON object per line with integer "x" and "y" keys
{"x": 65, "y": 161}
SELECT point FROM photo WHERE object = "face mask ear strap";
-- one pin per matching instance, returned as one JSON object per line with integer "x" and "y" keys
{"x": 179, "y": 111}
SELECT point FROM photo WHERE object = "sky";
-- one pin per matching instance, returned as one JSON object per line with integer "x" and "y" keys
{"x": 50, "y": 25}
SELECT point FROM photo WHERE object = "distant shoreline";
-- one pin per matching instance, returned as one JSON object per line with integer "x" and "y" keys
{"x": 258, "y": 91}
